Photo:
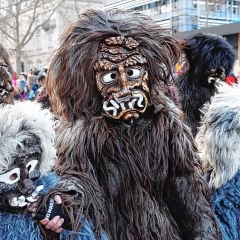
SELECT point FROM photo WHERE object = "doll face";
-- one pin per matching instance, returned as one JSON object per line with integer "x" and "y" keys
{"x": 121, "y": 78}
{"x": 17, "y": 187}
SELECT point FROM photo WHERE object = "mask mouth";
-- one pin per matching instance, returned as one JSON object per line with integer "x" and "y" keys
{"x": 22, "y": 201}
{"x": 118, "y": 106}
{"x": 122, "y": 97}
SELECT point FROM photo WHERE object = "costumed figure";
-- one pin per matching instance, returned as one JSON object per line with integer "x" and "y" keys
{"x": 210, "y": 58}
{"x": 27, "y": 156}
{"x": 6, "y": 88}
{"x": 218, "y": 141}
{"x": 108, "y": 83}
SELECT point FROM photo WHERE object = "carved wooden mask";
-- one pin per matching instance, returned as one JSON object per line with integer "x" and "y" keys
{"x": 121, "y": 78}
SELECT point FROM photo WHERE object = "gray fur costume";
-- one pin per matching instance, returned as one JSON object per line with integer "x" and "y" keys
{"x": 27, "y": 157}
{"x": 218, "y": 141}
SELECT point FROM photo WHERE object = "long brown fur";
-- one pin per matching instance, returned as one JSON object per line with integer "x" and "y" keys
{"x": 72, "y": 88}
{"x": 147, "y": 171}
{"x": 81, "y": 201}
{"x": 5, "y": 57}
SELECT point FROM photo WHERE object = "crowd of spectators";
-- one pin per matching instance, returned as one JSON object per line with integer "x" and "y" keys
{"x": 29, "y": 86}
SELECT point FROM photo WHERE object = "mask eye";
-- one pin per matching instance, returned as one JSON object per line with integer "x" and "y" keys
{"x": 134, "y": 73}
{"x": 110, "y": 77}
{"x": 10, "y": 177}
{"x": 31, "y": 165}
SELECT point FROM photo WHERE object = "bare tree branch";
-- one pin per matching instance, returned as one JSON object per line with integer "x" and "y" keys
{"x": 30, "y": 25}
{"x": 16, "y": 13}
{"x": 7, "y": 36}
{"x": 29, "y": 34}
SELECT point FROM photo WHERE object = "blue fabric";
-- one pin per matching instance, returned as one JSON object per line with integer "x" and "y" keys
{"x": 33, "y": 91}
{"x": 226, "y": 206}
{"x": 22, "y": 85}
{"x": 34, "y": 87}
{"x": 31, "y": 95}
{"x": 86, "y": 233}
{"x": 48, "y": 181}
{"x": 23, "y": 227}
{"x": 18, "y": 227}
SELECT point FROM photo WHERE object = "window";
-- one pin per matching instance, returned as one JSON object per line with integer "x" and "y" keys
{"x": 30, "y": 64}
{"x": 217, "y": 7}
{"x": 30, "y": 45}
{"x": 39, "y": 42}
{"x": 39, "y": 64}
{"x": 50, "y": 39}
{"x": 236, "y": 10}
{"x": 195, "y": 5}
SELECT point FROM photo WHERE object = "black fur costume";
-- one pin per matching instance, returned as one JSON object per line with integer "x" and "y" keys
{"x": 146, "y": 170}
{"x": 205, "y": 54}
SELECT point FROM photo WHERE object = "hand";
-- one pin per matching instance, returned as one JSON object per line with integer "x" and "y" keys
{"x": 47, "y": 217}
{"x": 54, "y": 224}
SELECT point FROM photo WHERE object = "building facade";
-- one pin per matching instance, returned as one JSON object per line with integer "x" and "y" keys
{"x": 37, "y": 52}
{"x": 183, "y": 15}
{"x": 187, "y": 17}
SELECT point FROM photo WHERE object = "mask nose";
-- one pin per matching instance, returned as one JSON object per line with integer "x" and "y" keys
{"x": 26, "y": 185}
{"x": 123, "y": 79}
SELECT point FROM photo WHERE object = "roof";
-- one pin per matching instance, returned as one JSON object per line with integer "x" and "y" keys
{"x": 221, "y": 30}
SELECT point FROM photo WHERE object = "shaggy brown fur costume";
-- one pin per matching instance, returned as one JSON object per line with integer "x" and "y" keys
{"x": 146, "y": 169}
{"x": 6, "y": 88}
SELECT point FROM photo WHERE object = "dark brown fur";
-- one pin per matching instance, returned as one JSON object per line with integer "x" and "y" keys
{"x": 81, "y": 201}
{"x": 72, "y": 89}
{"x": 5, "y": 79}
{"x": 147, "y": 171}
{"x": 5, "y": 57}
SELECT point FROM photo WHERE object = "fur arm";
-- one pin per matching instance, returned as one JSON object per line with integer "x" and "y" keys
{"x": 190, "y": 208}
{"x": 80, "y": 197}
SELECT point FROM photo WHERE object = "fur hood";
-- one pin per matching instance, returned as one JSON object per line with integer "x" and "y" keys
{"x": 24, "y": 120}
{"x": 218, "y": 138}
{"x": 205, "y": 51}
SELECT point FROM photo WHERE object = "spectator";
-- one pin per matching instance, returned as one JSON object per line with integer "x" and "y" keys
{"x": 22, "y": 85}
{"x": 32, "y": 86}
{"x": 41, "y": 82}
{"x": 33, "y": 91}
{"x": 30, "y": 81}
{"x": 38, "y": 86}
{"x": 14, "y": 78}
{"x": 32, "y": 70}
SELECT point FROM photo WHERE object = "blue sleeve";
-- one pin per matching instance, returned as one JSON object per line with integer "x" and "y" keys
{"x": 85, "y": 233}
{"x": 31, "y": 95}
